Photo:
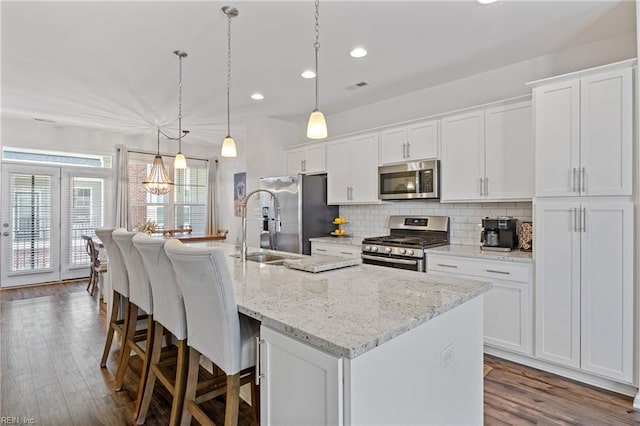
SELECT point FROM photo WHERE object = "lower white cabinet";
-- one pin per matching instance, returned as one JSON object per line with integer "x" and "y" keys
{"x": 507, "y": 306}
{"x": 298, "y": 382}
{"x": 584, "y": 286}
{"x": 333, "y": 249}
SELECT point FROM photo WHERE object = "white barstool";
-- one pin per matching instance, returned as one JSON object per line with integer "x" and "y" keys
{"x": 215, "y": 329}
{"x": 169, "y": 314}
{"x": 120, "y": 289}
{"x": 139, "y": 299}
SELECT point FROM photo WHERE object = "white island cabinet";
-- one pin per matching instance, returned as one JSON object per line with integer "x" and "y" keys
{"x": 363, "y": 345}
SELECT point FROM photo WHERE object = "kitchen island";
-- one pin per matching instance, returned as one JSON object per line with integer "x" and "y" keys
{"x": 364, "y": 344}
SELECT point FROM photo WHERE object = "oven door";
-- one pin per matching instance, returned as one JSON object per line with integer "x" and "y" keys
{"x": 410, "y": 264}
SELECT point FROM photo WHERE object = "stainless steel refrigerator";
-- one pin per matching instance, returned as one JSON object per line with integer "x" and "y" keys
{"x": 304, "y": 212}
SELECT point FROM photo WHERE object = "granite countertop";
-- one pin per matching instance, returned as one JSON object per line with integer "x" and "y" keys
{"x": 474, "y": 251}
{"x": 345, "y": 312}
{"x": 350, "y": 241}
{"x": 321, "y": 263}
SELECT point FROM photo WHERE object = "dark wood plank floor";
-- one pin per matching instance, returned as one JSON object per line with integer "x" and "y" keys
{"x": 52, "y": 339}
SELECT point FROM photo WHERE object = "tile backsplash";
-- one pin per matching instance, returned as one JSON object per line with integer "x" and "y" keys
{"x": 465, "y": 218}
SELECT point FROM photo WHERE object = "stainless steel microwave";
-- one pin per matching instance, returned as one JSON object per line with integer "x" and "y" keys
{"x": 407, "y": 181}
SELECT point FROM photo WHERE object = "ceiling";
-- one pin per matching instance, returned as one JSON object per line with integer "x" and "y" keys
{"x": 110, "y": 64}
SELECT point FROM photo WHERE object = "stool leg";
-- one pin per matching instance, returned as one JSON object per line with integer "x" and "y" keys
{"x": 146, "y": 364}
{"x": 151, "y": 380}
{"x": 192, "y": 383}
{"x": 181, "y": 383}
{"x": 115, "y": 307}
{"x": 233, "y": 400}
{"x": 129, "y": 336}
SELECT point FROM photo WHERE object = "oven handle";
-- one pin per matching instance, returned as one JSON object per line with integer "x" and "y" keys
{"x": 390, "y": 260}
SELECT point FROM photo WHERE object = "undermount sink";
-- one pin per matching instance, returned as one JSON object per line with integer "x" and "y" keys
{"x": 271, "y": 259}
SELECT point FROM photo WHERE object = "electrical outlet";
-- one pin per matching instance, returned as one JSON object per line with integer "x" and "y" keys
{"x": 447, "y": 356}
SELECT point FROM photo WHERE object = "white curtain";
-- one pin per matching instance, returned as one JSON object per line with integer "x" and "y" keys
{"x": 211, "y": 225}
{"x": 122, "y": 188}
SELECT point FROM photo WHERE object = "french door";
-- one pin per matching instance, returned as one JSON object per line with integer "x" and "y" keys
{"x": 45, "y": 212}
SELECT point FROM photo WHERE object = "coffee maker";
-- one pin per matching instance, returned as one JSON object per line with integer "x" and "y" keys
{"x": 499, "y": 233}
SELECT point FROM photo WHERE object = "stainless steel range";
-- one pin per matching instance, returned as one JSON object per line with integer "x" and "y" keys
{"x": 408, "y": 237}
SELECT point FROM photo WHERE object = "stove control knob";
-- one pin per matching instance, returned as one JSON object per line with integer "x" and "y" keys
{"x": 387, "y": 250}
{"x": 374, "y": 248}
{"x": 410, "y": 252}
{"x": 367, "y": 248}
{"x": 403, "y": 251}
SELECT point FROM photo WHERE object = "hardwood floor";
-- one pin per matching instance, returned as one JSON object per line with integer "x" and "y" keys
{"x": 51, "y": 343}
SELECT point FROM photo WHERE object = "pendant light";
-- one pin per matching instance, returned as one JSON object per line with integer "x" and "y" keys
{"x": 317, "y": 125}
{"x": 180, "y": 162}
{"x": 229, "y": 145}
{"x": 158, "y": 182}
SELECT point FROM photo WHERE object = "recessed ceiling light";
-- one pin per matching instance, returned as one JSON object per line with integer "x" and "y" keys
{"x": 308, "y": 74}
{"x": 359, "y": 52}
{"x": 486, "y": 1}
{"x": 257, "y": 96}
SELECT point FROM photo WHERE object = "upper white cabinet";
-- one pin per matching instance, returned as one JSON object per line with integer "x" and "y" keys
{"x": 584, "y": 286}
{"x": 488, "y": 154}
{"x": 352, "y": 170}
{"x": 409, "y": 143}
{"x": 307, "y": 160}
{"x": 583, "y": 133}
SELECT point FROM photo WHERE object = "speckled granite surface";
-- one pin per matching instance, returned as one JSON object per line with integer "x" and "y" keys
{"x": 319, "y": 263}
{"x": 350, "y": 241}
{"x": 474, "y": 251}
{"x": 345, "y": 312}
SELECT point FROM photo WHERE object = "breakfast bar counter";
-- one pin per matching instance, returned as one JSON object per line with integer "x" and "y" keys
{"x": 363, "y": 339}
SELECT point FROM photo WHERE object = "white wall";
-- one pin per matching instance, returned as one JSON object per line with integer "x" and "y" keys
{"x": 497, "y": 84}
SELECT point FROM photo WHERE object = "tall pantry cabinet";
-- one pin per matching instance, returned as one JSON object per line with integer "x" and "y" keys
{"x": 583, "y": 213}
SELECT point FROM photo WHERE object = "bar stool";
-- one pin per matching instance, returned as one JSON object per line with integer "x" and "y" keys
{"x": 168, "y": 313}
{"x": 139, "y": 299}
{"x": 215, "y": 329}
{"x": 120, "y": 290}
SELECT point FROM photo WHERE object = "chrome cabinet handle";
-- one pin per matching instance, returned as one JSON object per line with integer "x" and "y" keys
{"x": 259, "y": 374}
{"x": 575, "y": 220}
{"x": 583, "y": 219}
{"x": 408, "y": 150}
{"x": 573, "y": 180}
{"x": 444, "y": 265}
{"x": 583, "y": 175}
{"x": 319, "y": 249}
{"x": 498, "y": 272}
{"x": 346, "y": 252}
{"x": 404, "y": 150}
{"x": 486, "y": 187}
{"x": 481, "y": 186}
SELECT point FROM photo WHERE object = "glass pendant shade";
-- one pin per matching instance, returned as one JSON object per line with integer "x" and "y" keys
{"x": 317, "y": 125}
{"x": 229, "y": 147}
{"x": 158, "y": 182}
{"x": 180, "y": 162}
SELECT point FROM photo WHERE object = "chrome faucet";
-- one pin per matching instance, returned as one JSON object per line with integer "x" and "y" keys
{"x": 243, "y": 251}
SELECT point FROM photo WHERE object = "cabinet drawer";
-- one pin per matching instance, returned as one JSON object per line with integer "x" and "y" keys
{"x": 330, "y": 249}
{"x": 492, "y": 269}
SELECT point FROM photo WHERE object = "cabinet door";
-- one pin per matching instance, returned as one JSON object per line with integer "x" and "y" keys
{"x": 506, "y": 316}
{"x": 606, "y": 133}
{"x": 339, "y": 163}
{"x": 557, "y": 253}
{"x": 607, "y": 290}
{"x": 509, "y": 152}
{"x": 557, "y": 139}
{"x": 301, "y": 384}
{"x": 393, "y": 145}
{"x": 463, "y": 157}
{"x": 422, "y": 140}
{"x": 315, "y": 159}
{"x": 294, "y": 160}
{"x": 363, "y": 161}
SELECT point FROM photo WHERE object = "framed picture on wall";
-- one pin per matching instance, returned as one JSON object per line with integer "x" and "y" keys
{"x": 239, "y": 191}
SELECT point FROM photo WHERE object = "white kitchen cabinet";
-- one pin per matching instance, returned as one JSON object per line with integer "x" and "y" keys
{"x": 299, "y": 382}
{"x": 584, "y": 286}
{"x": 508, "y": 305}
{"x": 307, "y": 160}
{"x": 333, "y": 249}
{"x": 409, "y": 143}
{"x": 352, "y": 170}
{"x": 584, "y": 133}
{"x": 487, "y": 155}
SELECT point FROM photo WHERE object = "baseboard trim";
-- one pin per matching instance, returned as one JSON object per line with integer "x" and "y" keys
{"x": 589, "y": 379}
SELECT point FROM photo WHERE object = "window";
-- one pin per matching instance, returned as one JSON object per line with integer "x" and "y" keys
{"x": 183, "y": 208}
{"x": 55, "y": 158}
